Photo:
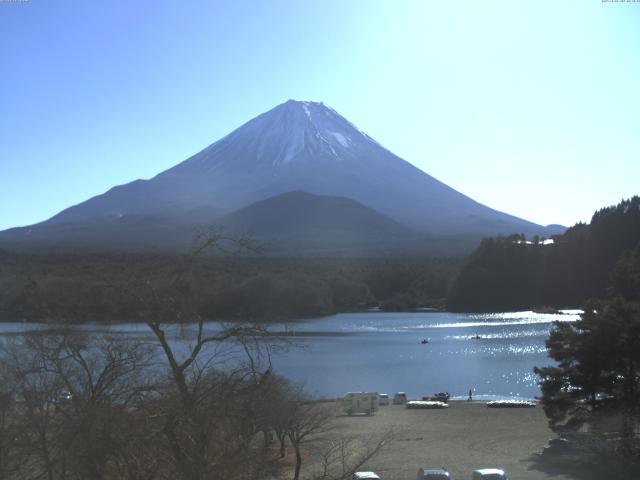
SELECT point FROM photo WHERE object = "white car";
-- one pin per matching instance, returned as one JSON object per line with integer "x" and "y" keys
{"x": 489, "y": 474}
{"x": 365, "y": 475}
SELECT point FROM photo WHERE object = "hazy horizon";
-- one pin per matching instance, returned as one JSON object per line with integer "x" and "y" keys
{"x": 528, "y": 109}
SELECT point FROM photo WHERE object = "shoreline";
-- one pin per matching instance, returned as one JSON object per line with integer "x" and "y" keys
{"x": 290, "y": 320}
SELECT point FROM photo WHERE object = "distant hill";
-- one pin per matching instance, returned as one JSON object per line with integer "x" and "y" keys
{"x": 296, "y": 146}
{"x": 589, "y": 260}
{"x": 301, "y": 221}
{"x": 303, "y": 214}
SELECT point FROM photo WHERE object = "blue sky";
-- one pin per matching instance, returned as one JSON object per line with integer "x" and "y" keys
{"x": 528, "y": 107}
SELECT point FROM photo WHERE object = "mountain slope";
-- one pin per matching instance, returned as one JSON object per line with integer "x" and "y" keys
{"x": 303, "y": 146}
{"x": 127, "y": 232}
{"x": 295, "y": 147}
{"x": 291, "y": 224}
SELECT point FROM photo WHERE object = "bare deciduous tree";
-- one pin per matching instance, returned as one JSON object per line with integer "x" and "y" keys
{"x": 209, "y": 414}
{"x": 308, "y": 421}
{"x": 74, "y": 397}
{"x": 342, "y": 455}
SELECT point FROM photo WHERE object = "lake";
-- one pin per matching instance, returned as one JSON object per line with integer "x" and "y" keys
{"x": 381, "y": 351}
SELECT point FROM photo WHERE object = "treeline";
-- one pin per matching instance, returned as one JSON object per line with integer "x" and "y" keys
{"x": 508, "y": 273}
{"x": 80, "y": 288}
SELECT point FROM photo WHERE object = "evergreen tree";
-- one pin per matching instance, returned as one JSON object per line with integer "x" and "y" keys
{"x": 596, "y": 383}
{"x": 507, "y": 273}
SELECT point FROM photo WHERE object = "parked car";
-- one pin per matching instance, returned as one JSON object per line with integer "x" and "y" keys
{"x": 430, "y": 473}
{"x": 489, "y": 474}
{"x": 400, "y": 398}
{"x": 442, "y": 397}
{"x": 438, "y": 397}
{"x": 383, "y": 400}
{"x": 365, "y": 475}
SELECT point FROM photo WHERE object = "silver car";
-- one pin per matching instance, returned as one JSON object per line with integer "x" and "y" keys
{"x": 430, "y": 473}
{"x": 489, "y": 474}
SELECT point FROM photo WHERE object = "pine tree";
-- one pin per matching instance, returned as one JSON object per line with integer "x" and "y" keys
{"x": 596, "y": 383}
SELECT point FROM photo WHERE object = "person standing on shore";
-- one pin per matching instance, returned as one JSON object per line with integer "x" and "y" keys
{"x": 470, "y": 394}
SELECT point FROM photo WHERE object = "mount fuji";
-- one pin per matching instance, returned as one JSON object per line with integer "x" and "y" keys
{"x": 295, "y": 147}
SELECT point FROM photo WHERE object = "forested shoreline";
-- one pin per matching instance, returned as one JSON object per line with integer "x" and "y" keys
{"x": 587, "y": 261}
{"x": 75, "y": 288}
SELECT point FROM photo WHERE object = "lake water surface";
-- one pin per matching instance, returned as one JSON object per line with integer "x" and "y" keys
{"x": 381, "y": 351}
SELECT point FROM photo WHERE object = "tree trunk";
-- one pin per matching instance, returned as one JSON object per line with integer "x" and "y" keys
{"x": 266, "y": 435}
{"x": 283, "y": 450}
{"x": 296, "y": 475}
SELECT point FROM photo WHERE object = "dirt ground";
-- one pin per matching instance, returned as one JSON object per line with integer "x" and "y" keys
{"x": 462, "y": 438}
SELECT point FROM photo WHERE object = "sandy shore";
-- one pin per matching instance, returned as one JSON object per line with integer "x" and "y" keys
{"x": 462, "y": 438}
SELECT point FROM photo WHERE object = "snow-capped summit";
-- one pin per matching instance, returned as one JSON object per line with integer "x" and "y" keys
{"x": 301, "y": 146}
{"x": 295, "y": 131}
